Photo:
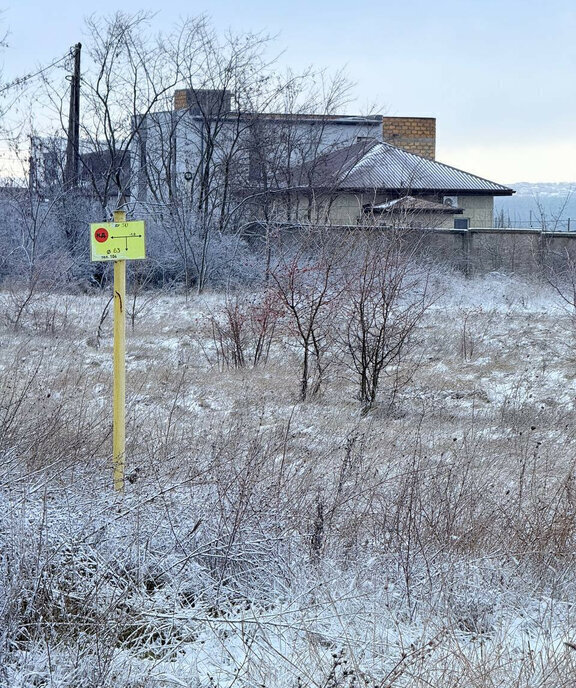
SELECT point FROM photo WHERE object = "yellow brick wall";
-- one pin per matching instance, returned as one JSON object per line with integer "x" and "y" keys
{"x": 412, "y": 134}
{"x": 181, "y": 99}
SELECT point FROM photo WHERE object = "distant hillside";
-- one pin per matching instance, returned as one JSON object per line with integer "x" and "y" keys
{"x": 554, "y": 203}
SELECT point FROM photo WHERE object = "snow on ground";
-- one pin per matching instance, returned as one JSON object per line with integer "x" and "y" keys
{"x": 264, "y": 541}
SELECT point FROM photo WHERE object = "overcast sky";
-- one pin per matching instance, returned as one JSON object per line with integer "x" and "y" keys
{"x": 499, "y": 76}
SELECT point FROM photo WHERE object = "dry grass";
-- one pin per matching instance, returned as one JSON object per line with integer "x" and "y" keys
{"x": 263, "y": 540}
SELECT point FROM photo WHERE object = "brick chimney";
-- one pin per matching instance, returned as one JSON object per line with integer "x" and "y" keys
{"x": 412, "y": 134}
{"x": 203, "y": 101}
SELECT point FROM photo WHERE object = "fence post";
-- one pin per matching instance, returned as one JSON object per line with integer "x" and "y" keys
{"x": 467, "y": 251}
{"x": 542, "y": 251}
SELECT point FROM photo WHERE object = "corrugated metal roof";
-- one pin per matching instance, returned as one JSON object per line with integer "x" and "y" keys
{"x": 414, "y": 204}
{"x": 376, "y": 165}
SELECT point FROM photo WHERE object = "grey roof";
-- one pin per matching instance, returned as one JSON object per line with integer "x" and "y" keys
{"x": 409, "y": 203}
{"x": 370, "y": 164}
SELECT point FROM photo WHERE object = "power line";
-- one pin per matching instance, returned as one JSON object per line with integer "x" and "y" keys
{"x": 23, "y": 79}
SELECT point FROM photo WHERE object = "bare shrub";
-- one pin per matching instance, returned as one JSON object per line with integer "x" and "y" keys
{"x": 47, "y": 415}
{"x": 386, "y": 297}
{"x": 243, "y": 333}
{"x": 141, "y": 281}
{"x": 32, "y": 293}
{"x": 309, "y": 289}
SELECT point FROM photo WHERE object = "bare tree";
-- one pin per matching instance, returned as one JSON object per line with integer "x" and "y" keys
{"x": 387, "y": 296}
{"x": 551, "y": 220}
{"x": 193, "y": 158}
{"x": 560, "y": 273}
{"x": 31, "y": 237}
{"x": 201, "y": 172}
{"x": 309, "y": 285}
{"x": 210, "y": 167}
{"x": 127, "y": 73}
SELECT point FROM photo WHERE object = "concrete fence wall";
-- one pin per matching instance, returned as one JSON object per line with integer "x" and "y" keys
{"x": 503, "y": 250}
{"x": 473, "y": 251}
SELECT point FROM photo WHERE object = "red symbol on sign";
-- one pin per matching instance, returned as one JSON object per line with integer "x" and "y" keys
{"x": 101, "y": 235}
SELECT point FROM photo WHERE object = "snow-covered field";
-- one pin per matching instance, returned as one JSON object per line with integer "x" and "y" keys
{"x": 264, "y": 541}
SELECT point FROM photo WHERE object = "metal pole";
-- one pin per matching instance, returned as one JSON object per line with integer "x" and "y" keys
{"x": 119, "y": 423}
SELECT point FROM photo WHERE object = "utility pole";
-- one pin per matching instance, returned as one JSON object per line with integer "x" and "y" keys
{"x": 72, "y": 168}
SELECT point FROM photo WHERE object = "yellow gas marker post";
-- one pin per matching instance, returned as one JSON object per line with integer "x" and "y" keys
{"x": 118, "y": 241}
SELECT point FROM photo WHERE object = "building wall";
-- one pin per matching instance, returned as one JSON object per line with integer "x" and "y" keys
{"x": 412, "y": 134}
{"x": 347, "y": 209}
{"x": 341, "y": 209}
{"x": 479, "y": 209}
{"x": 276, "y": 143}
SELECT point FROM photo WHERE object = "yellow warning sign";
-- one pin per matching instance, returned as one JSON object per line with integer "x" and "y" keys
{"x": 117, "y": 241}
